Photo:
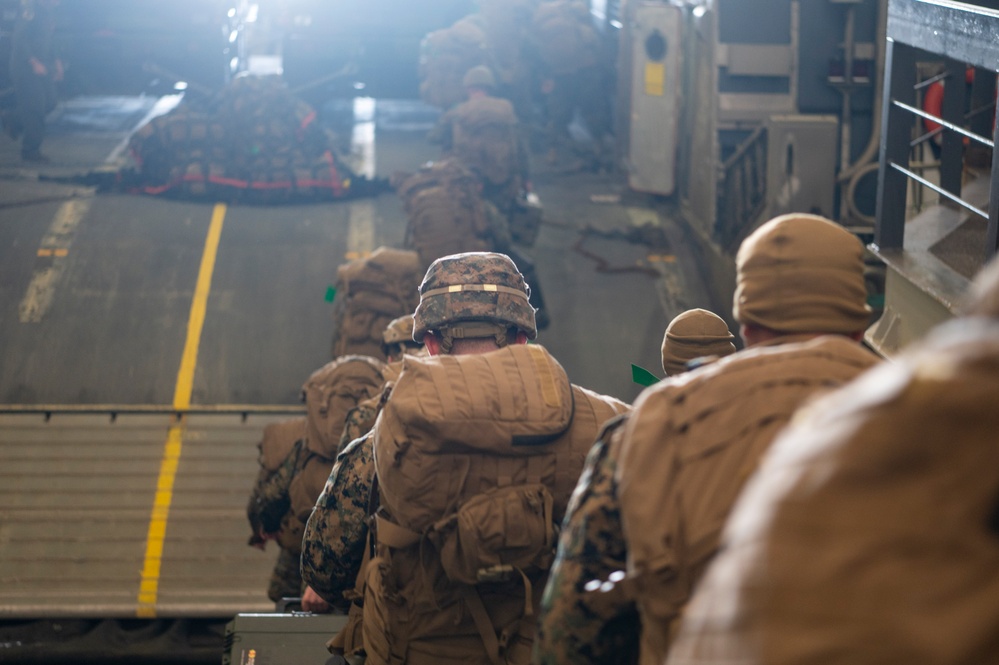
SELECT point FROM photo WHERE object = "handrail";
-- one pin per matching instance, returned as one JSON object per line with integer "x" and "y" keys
{"x": 115, "y": 410}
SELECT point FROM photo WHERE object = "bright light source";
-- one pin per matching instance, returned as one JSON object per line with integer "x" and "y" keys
{"x": 359, "y": 85}
{"x": 180, "y": 86}
{"x": 232, "y": 12}
{"x": 617, "y": 25}
{"x": 252, "y": 13}
{"x": 699, "y": 11}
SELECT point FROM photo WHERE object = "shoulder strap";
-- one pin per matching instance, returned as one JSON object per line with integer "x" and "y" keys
{"x": 480, "y": 616}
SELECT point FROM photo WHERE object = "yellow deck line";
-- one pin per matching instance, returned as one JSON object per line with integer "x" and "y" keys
{"x": 156, "y": 535}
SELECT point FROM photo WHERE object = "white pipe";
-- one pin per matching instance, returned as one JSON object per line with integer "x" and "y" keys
{"x": 873, "y": 143}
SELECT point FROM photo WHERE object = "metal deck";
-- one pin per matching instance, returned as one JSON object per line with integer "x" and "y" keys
{"x": 82, "y": 501}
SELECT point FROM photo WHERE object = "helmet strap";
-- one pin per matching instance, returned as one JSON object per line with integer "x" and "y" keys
{"x": 474, "y": 329}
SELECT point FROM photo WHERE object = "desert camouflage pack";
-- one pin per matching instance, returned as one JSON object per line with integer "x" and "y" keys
{"x": 476, "y": 457}
{"x": 370, "y": 293}
{"x": 485, "y": 138}
{"x": 447, "y": 214}
{"x": 445, "y": 56}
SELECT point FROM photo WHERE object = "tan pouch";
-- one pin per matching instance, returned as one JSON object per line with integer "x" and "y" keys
{"x": 350, "y": 639}
{"x": 496, "y": 533}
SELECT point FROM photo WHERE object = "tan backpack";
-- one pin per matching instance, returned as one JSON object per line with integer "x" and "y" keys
{"x": 277, "y": 444}
{"x": 485, "y": 138}
{"x": 564, "y": 37}
{"x": 332, "y": 391}
{"x": 718, "y": 422}
{"x": 476, "y": 457}
{"x": 445, "y": 56}
{"x": 871, "y": 533}
{"x": 445, "y": 210}
{"x": 370, "y": 293}
{"x": 330, "y": 394}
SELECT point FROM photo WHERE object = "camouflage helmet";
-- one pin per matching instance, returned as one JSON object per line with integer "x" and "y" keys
{"x": 481, "y": 287}
{"x": 399, "y": 331}
{"x": 479, "y": 76}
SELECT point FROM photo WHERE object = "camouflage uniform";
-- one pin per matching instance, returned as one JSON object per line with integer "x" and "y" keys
{"x": 359, "y": 421}
{"x": 267, "y": 510}
{"x": 675, "y": 465}
{"x": 483, "y": 132}
{"x": 333, "y": 544}
{"x": 579, "y": 623}
{"x": 286, "y": 578}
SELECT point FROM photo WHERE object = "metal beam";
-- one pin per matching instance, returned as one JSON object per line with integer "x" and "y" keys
{"x": 114, "y": 410}
{"x": 954, "y": 29}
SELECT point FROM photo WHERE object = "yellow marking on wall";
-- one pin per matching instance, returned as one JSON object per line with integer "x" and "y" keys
{"x": 156, "y": 535}
{"x": 655, "y": 79}
{"x": 661, "y": 258}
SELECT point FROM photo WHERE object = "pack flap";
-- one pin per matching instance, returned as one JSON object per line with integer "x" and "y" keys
{"x": 331, "y": 392}
{"x": 279, "y": 439}
{"x": 307, "y": 485}
{"x": 501, "y": 402}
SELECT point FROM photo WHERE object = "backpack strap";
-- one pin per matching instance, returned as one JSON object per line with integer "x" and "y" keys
{"x": 393, "y": 535}
{"x": 496, "y": 644}
{"x": 480, "y": 616}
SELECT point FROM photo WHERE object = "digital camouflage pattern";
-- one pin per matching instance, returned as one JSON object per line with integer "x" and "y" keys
{"x": 286, "y": 578}
{"x": 333, "y": 544}
{"x": 474, "y": 269}
{"x": 399, "y": 330}
{"x": 269, "y": 498}
{"x": 360, "y": 420}
{"x": 268, "y": 513}
{"x": 577, "y": 624}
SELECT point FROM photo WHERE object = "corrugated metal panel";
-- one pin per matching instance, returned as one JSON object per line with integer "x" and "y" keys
{"x": 76, "y": 498}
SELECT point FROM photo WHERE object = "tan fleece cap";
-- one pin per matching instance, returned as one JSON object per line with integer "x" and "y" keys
{"x": 801, "y": 273}
{"x": 695, "y": 333}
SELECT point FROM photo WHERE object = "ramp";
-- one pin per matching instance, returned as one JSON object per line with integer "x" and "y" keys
{"x": 133, "y": 512}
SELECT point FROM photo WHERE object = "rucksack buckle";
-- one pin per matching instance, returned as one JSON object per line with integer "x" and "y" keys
{"x": 497, "y": 573}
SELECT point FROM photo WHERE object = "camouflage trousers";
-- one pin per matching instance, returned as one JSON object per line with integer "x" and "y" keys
{"x": 286, "y": 578}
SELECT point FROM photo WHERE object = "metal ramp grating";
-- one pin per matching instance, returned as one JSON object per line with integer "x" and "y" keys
{"x": 76, "y": 500}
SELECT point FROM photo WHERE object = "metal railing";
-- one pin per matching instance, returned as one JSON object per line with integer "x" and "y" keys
{"x": 742, "y": 191}
{"x": 115, "y": 410}
{"x": 959, "y": 36}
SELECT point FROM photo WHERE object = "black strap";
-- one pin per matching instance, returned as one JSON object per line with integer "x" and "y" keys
{"x": 994, "y": 519}
{"x": 374, "y": 500}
